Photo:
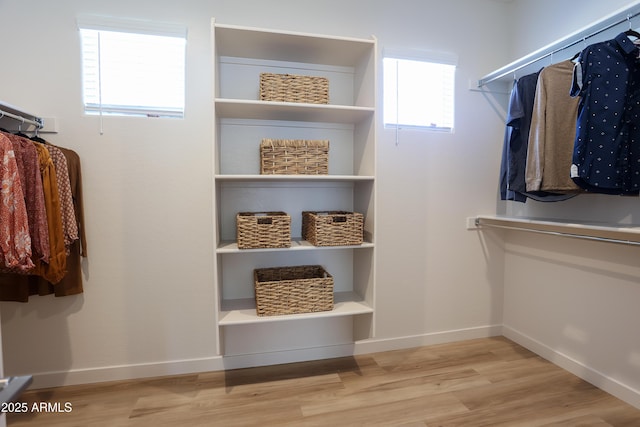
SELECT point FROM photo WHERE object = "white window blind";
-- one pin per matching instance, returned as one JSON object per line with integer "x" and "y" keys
{"x": 419, "y": 93}
{"x": 132, "y": 67}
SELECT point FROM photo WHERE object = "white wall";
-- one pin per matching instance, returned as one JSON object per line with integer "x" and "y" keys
{"x": 147, "y": 202}
{"x": 534, "y": 24}
{"x": 574, "y": 301}
{"x": 147, "y": 308}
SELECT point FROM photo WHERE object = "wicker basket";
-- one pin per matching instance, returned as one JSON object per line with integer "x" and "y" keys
{"x": 263, "y": 230}
{"x": 291, "y": 290}
{"x": 294, "y": 157}
{"x": 294, "y": 88}
{"x": 332, "y": 228}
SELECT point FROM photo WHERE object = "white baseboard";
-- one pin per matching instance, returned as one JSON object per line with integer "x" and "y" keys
{"x": 125, "y": 372}
{"x": 218, "y": 363}
{"x": 600, "y": 380}
{"x": 378, "y": 345}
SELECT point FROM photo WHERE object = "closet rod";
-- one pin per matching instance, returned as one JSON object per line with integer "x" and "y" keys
{"x": 607, "y": 23}
{"x": 479, "y": 224}
{"x": 38, "y": 122}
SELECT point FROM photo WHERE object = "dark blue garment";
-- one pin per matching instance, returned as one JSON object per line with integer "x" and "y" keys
{"x": 516, "y": 142}
{"x": 606, "y": 156}
{"x": 509, "y": 167}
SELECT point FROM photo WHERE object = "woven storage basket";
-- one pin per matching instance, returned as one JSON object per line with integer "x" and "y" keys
{"x": 294, "y": 88}
{"x": 291, "y": 290}
{"x": 332, "y": 228}
{"x": 294, "y": 157}
{"x": 263, "y": 230}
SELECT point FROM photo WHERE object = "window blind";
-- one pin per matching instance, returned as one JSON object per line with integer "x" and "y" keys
{"x": 132, "y": 67}
{"x": 419, "y": 89}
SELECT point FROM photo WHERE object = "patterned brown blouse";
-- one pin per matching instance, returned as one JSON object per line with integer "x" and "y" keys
{"x": 15, "y": 242}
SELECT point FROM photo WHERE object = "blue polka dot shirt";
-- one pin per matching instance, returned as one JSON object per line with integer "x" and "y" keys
{"x": 606, "y": 156}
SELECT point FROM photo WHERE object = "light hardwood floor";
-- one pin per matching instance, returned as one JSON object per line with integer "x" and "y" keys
{"x": 485, "y": 382}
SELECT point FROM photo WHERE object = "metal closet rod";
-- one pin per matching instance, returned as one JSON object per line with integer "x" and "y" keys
{"x": 38, "y": 122}
{"x": 512, "y": 68}
{"x": 479, "y": 224}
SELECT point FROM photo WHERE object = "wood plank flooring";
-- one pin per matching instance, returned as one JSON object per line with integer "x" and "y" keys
{"x": 486, "y": 382}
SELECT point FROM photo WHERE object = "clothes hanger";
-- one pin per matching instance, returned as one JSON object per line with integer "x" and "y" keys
{"x": 36, "y": 137}
{"x": 632, "y": 33}
{"x": 3, "y": 129}
{"x": 19, "y": 133}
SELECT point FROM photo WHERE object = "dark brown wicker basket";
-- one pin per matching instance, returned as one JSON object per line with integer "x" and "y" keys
{"x": 292, "y": 290}
{"x": 332, "y": 228}
{"x": 294, "y": 88}
{"x": 294, "y": 157}
{"x": 263, "y": 230}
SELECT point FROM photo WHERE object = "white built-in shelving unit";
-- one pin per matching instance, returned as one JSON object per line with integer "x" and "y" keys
{"x": 241, "y": 120}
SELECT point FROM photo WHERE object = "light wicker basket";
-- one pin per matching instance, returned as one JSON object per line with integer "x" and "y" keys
{"x": 292, "y": 290}
{"x": 294, "y": 157}
{"x": 332, "y": 228}
{"x": 263, "y": 230}
{"x": 294, "y": 88}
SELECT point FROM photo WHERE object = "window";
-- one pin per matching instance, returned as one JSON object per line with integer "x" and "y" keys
{"x": 419, "y": 93}
{"x": 132, "y": 67}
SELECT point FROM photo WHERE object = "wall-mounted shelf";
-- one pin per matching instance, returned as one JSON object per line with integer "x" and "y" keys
{"x": 266, "y": 44}
{"x": 231, "y": 247}
{"x": 293, "y": 178}
{"x": 624, "y": 234}
{"x": 263, "y": 110}
{"x": 591, "y": 33}
{"x": 243, "y": 311}
{"x": 20, "y": 116}
{"x": 15, "y": 119}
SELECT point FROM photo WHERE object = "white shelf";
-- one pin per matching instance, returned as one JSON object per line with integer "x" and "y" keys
{"x": 227, "y": 247}
{"x": 20, "y": 116}
{"x": 291, "y": 111}
{"x": 294, "y": 178}
{"x": 245, "y": 42}
{"x": 602, "y": 29}
{"x": 243, "y": 311}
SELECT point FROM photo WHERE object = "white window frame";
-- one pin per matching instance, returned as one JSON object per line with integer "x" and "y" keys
{"x": 93, "y": 84}
{"x": 393, "y": 92}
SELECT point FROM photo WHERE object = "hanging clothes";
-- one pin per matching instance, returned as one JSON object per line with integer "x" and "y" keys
{"x": 31, "y": 180}
{"x": 15, "y": 241}
{"x": 553, "y": 131}
{"x": 515, "y": 148}
{"x": 71, "y": 283}
{"x": 55, "y": 269}
{"x": 514, "y": 153}
{"x": 60, "y": 272}
{"x": 606, "y": 157}
{"x": 69, "y": 223}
